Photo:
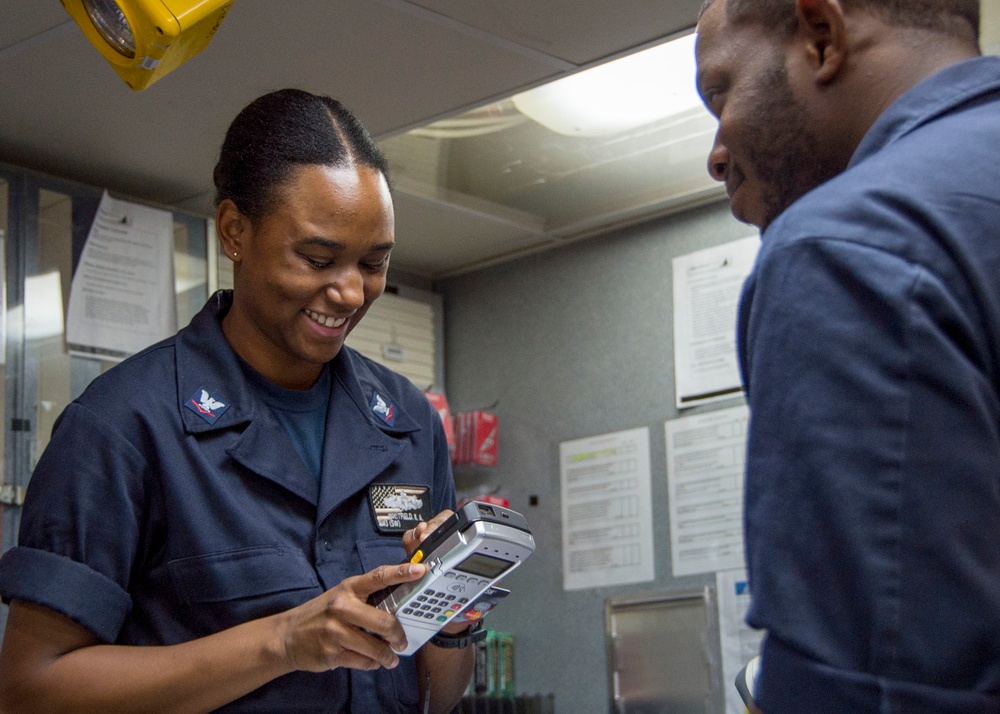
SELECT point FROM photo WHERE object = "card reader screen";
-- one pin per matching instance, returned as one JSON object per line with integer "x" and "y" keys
{"x": 485, "y": 566}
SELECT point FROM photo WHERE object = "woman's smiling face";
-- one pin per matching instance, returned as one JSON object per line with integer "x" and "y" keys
{"x": 307, "y": 271}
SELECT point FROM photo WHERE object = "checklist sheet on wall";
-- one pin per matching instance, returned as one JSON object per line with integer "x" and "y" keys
{"x": 606, "y": 511}
{"x": 705, "y": 461}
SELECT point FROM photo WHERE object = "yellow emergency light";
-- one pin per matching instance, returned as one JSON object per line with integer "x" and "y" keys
{"x": 143, "y": 40}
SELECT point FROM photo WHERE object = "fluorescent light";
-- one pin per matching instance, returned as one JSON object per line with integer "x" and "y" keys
{"x": 617, "y": 96}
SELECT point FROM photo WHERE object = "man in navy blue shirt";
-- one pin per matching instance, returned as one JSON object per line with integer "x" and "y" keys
{"x": 860, "y": 136}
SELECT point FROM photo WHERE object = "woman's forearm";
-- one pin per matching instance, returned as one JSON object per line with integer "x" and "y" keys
{"x": 195, "y": 676}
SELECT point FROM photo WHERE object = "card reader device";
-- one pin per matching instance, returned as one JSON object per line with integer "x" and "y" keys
{"x": 473, "y": 549}
{"x": 746, "y": 685}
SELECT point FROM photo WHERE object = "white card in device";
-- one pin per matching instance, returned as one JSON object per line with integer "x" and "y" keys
{"x": 467, "y": 554}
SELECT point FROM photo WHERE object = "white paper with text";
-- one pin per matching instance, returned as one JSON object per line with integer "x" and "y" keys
{"x": 706, "y": 289}
{"x": 122, "y": 297}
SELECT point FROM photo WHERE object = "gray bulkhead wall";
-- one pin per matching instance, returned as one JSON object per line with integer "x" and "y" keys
{"x": 571, "y": 343}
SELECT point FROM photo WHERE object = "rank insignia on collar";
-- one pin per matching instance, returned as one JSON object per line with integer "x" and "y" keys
{"x": 382, "y": 409}
{"x": 396, "y": 508}
{"x": 206, "y": 405}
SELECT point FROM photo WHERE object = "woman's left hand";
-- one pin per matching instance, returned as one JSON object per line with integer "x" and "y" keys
{"x": 412, "y": 540}
{"x": 416, "y": 535}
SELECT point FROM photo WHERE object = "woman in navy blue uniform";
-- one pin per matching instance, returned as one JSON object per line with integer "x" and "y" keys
{"x": 211, "y": 515}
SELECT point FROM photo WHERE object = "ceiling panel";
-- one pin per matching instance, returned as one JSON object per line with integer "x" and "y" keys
{"x": 23, "y": 19}
{"x": 578, "y": 31}
{"x": 391, "y": 68}
{"x": 398, "y": 64}
{"x": 462, "y": 239}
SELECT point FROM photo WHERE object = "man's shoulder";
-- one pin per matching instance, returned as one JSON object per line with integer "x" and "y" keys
{"x": 904, "y": 189}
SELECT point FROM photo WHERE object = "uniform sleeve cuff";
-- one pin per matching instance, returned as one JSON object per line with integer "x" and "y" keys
{"x": 66, "y": 586}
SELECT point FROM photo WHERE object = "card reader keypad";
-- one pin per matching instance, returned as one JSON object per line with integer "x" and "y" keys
{"x": 435, "y": 605}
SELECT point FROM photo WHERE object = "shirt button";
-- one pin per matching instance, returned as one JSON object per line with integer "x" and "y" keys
{"x": 328, "y": 545}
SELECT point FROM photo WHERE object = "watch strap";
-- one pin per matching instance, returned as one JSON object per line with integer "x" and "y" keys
{"x": 476, "y": 633}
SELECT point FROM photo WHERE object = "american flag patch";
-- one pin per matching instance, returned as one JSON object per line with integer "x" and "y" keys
{"x": 396, "y": 508}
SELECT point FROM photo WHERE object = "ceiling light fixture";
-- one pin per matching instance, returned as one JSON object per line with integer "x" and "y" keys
{"x": 618, "y": 96}
{"x": 143, "y": 40}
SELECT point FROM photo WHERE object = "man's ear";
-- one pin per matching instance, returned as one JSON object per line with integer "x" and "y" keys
{"x": 232, "y": 227}
{"x": 822, "y": 29}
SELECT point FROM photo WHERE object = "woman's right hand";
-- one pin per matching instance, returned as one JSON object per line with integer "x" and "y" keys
{"x": 49, "y": 663}
{"x": 340, "y": 629}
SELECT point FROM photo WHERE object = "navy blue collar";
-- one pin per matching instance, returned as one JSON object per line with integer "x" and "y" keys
{"x": 939, "y": 94}
{"x": 206, "y": 362}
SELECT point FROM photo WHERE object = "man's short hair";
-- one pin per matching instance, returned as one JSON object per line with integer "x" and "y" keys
{"x": 951, "y": 17}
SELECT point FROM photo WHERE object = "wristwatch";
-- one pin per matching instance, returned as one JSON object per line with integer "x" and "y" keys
{"x": 474, "y": 634}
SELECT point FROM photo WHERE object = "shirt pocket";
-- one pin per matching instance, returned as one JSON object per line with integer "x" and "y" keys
{"x": 380, "y": 551}
{"x": 230, "y": 587}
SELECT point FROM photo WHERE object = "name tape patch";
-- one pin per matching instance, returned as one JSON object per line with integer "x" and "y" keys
{"x": 397, "y": 508}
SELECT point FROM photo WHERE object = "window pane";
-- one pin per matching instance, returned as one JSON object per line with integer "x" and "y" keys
{"x": 46, "y": 295}
{"x": 190, "y": 270}
{"x": 4, "y": 192}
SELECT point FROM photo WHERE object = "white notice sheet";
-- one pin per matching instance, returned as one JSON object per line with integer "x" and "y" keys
{"x": 707, "y": 287}
{"x": 740, "y": 644}
{"x": 122, "y": 296}
{"x": 607, "y": 519}
{"x": 705, "y": 459}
